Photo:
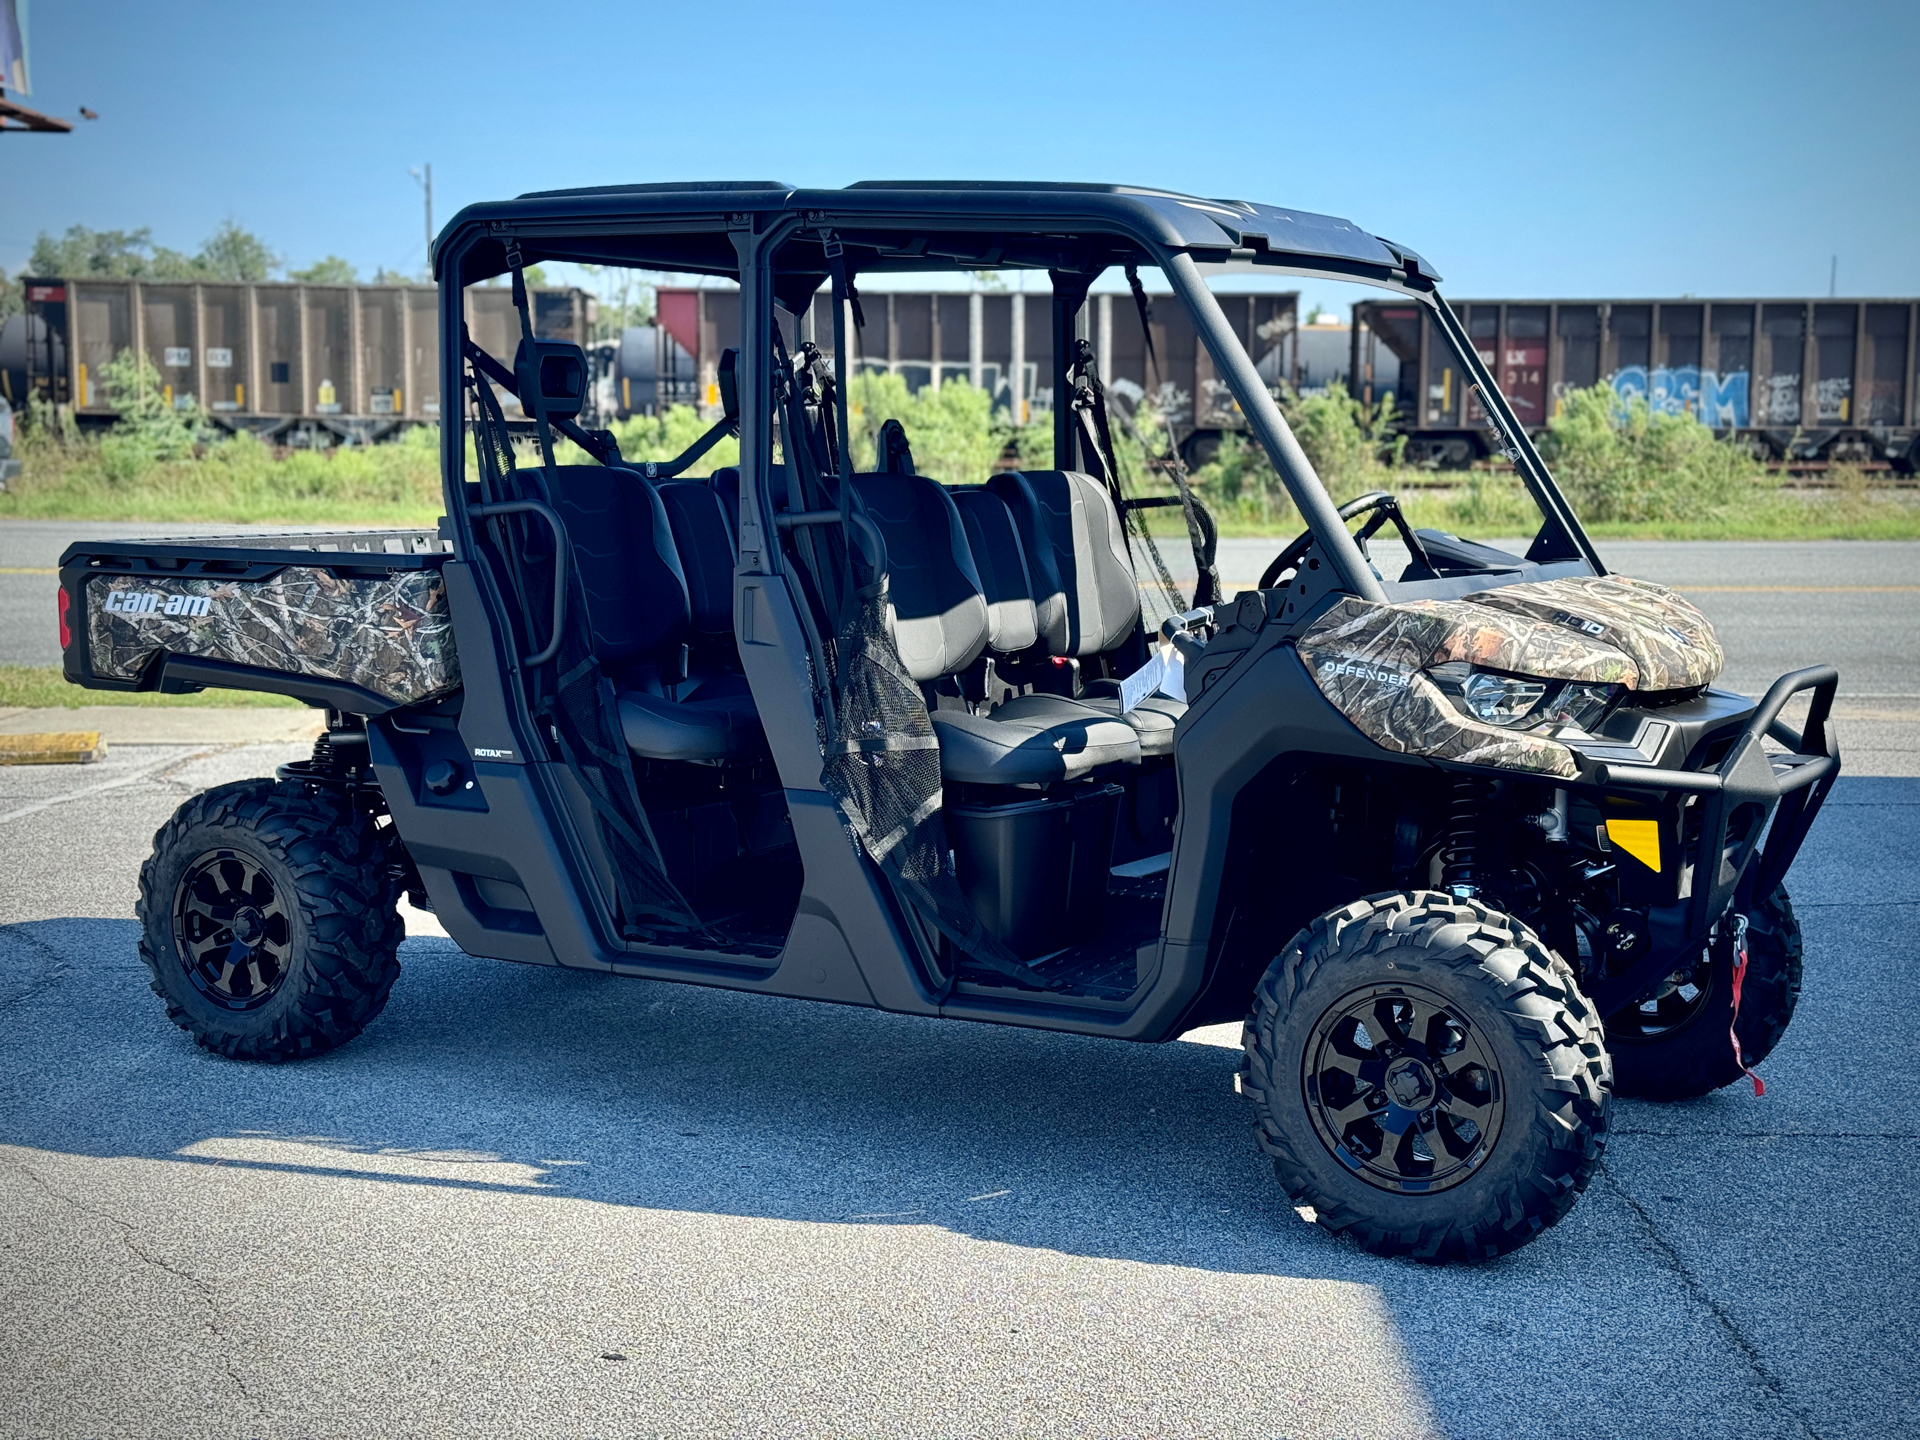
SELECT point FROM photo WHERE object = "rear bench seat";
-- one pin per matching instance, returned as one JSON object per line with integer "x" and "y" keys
{"x": 644, "y": 605}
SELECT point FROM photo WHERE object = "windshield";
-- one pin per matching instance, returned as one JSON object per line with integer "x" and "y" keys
{"x": 1381, "y": 399}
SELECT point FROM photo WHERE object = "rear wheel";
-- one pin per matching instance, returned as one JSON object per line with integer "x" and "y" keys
{"x": 1427, "y": 1077}
{"x": 1674, "y": 1044}
{"x": 267, "y": 919}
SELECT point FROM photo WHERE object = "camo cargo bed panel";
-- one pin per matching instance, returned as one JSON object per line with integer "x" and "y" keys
{"x": 391, "y": 634}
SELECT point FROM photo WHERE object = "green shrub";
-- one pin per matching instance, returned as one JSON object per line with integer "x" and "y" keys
{"x": 667, "y": 435}
{"x": 1624, "y": 461}
{"x": 955, "y": 436}
{"x": 1351, "y": 445}
{"x": 143, "y": 470}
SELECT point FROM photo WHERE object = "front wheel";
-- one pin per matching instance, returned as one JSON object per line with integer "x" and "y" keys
{"x": 1427, "y": 1076}
{"x": 267, "y": 919}
{"x": 1674, "y": 1044}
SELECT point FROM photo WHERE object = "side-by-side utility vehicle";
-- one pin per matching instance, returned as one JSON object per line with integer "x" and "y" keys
{"x": 1459, "y": 827}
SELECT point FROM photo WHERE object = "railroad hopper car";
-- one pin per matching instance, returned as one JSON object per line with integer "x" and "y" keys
{"x": 1806, "y": 382}
{"x": 298, "y": 364}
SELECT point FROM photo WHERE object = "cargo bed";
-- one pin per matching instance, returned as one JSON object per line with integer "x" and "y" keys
{"x": 356, "y": 621}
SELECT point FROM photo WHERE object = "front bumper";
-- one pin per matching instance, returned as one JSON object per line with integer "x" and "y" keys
{"x": 1755, "y": 809}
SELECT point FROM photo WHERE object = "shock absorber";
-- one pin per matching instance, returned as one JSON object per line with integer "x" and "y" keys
{"x": 1460, "y": 864}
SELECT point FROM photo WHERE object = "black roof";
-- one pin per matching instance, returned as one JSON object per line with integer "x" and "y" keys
{"x": 925, "y": 224}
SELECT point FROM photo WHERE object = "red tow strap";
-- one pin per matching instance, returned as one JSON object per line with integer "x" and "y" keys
{"x": 1739, "y": 977}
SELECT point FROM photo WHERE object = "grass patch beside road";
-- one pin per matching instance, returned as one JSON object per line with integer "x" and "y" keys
{"x": 43, "y": 687}
{"x": 234, "y": 481}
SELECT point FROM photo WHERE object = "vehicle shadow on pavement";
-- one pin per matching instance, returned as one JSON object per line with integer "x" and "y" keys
{"x": 581, "y": 1087}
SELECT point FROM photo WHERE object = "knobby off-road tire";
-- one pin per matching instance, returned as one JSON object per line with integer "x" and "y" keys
{"x": 267, "y": 917}
{"x": 1680, "y": 1049}
{"x": 1496, "y": 1064}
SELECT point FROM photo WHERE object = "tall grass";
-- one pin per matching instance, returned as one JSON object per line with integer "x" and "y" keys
{"x": 1628, "y": 471}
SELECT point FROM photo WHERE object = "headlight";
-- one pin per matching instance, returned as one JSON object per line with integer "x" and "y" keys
{"x": 1514, "y": 702}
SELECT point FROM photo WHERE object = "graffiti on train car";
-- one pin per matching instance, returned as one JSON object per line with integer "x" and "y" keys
{"x": 1719, "y": 400}
{"x": 1798, "y": 380}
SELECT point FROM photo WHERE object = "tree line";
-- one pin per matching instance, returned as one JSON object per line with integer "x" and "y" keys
{"x": 231, "y": 253}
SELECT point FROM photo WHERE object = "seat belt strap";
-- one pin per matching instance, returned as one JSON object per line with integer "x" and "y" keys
{"x": 1096, "y": 444}
{"x": 1206, "y": 587}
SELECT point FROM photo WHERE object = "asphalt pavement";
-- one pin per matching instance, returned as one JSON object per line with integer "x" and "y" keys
{"x": 547, "y": 1202}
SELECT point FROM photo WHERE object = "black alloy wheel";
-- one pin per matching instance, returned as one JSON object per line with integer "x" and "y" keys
{"x": 1402, "y": 1088}
{"x": 231, "y": 930}
{"x": 1426, "y": 1077}
{"x": 267, "y": 919}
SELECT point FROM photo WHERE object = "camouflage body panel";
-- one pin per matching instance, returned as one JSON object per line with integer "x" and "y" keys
{"x": 1671, "y": 644}
{"x": 392, "y": 635}
{"x": 1367, "y": 660}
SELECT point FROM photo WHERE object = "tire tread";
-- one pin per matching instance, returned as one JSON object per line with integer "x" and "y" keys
{"x": 335, "y": 855}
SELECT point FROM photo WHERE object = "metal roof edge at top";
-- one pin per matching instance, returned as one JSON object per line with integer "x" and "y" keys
{"x": 1173, "y": 220}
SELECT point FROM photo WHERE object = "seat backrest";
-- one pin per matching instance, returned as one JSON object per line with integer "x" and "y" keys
{"x": 725, "y": 483}
{"x": 1012, "y": 622}
{"x": 935, "y": 603}
{"x": 706, "y": 546}
{"x": 623, "y": 547}
{"x": 1086, "y": 597}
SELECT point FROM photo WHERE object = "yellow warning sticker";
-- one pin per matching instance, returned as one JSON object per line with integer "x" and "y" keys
{"x": 1639, "y": 838}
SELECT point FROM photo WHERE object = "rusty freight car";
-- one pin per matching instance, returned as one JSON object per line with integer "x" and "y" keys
{"x": 1803, "y": 381}
{"x": 305, "y": 365}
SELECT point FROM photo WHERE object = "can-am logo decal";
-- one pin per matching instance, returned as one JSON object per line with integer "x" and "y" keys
{"x": 1379, "y": 674}
{"x": 1589, "y": 627}
{"x": 148, "y": 602}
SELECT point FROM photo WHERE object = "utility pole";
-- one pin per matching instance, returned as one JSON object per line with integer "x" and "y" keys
{"x": 424, "y": 174}
{"x": 1833, "y": 278}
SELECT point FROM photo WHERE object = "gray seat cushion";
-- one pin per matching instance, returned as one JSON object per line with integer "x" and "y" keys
{"x": 935, "y": 606}
{"x": 1031, "y": 740}
{"x": 1012, "y": 623}
{"x": 1084, "y": 593}
{"x": 718, "y": 722}
{"x": 1152, "y": 719}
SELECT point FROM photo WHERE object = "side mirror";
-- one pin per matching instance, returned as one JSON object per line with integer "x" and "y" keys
{"x": 556, "y": 373}
{"x": 730, "y": 383}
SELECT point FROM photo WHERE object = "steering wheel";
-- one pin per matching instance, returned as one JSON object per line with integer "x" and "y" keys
{"x": 1385, "y": 507}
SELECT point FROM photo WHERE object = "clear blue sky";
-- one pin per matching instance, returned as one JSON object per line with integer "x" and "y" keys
{"x": 1706, "y": 148}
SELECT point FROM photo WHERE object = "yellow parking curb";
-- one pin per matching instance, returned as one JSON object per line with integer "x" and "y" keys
{"x": 69, "y": 747}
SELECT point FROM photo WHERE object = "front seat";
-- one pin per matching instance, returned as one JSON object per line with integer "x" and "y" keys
{"x": 1085, "y": 593}
{"x": 940, "y": 621}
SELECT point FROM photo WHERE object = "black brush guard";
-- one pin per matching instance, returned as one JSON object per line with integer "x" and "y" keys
{"x": 1740, "y": 856}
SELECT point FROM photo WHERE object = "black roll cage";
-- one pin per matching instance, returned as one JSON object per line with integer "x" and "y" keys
{"x": 772, "y": 240}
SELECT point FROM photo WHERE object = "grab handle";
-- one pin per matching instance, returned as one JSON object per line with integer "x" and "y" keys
{"x": 560, "y": 553}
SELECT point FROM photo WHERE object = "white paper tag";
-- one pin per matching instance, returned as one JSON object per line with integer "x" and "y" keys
{"x": 1165, "y": 673}
{"x": 1173, "y": 684}
{"x": 1143, "y": 682}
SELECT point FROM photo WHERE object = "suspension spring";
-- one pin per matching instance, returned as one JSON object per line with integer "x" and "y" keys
{"x": 1460, "y": 865}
